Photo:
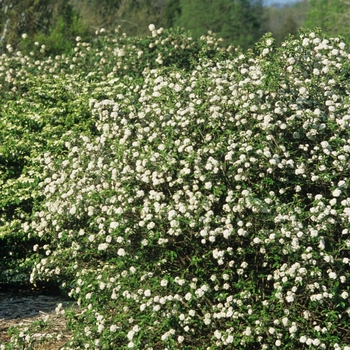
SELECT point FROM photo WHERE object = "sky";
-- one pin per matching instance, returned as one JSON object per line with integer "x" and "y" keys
{"x": 282, "y": 2}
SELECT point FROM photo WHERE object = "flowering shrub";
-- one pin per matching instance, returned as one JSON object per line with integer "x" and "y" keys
{"x": 44, "y": 97}
{"x": 208, "y": 208}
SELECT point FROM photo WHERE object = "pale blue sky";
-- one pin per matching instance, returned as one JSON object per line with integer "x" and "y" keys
{"x": 282, "y": 2}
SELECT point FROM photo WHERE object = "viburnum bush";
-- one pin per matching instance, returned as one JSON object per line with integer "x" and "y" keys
{"x": 209, "y": 207}
{"x": 44, "y": 97}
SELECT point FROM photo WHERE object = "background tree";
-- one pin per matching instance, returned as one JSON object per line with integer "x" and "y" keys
{"x": 171, "y": 10}
{"x": 244, "y": 27}
{"x": 56, "y": 24}
{"x": 238, "y": 22}
{"x": 133, "y": 16}
{"x": 290, "y": 26}
{"x": 332, "y": 16}
{"x": 52, "y": 23}
{"x": 284, "y": 20}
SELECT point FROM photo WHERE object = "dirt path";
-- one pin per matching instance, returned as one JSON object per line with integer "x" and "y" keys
{"x": 22, "y": 307}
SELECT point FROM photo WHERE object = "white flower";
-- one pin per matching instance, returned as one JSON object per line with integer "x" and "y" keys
{"x": 131, "y": 335}
{"x": 332, "y": 275}
{"x": 136, "y": 328}
{"x": 199, "y": 293}
{"x": 113, "y": 225}
{"x": 336, "y": 193}
{"x": 121, "y": 252}
{"x": 306, "y": 42}
{"x": 217, "y": 334}
{"x": 229, "y": 339}
{"x": 171, "y": 214}
{"x": 293, "y": 329}
{"x": 248, "y": 331}
{"x": 208, "y": 185}
{"x": 325, "y": 144}
{"x": 102, "y": 246}
{"x": 180, "y": 339}
{"x": 290, "y": 298}
{"x": 188, "y": 296}
{"x": 151, "y": 27}
{"x": 302, "y": 90}
{"x": 120, "y": 239}
{"x": 165, "y": 336}
{"x": 344, "y": 295}
{"x": 73, "y": 210}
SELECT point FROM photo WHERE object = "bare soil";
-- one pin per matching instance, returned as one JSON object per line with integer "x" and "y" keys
{"x": 21, "y": 306}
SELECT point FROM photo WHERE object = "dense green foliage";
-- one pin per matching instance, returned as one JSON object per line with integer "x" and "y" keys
{"x": 171, "y": 11}
{"x": 53, "y": 23}
{"x": 332, "y": 16}
{"x": 237, "y": 22}
{"x": 133, "y": 15}
{"x": 281, "y": 21}
{"x": 41, "y": 100}
{"x": 185, "y": 195}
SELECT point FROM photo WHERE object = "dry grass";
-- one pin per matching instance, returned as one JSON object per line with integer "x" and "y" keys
{"x": 51, "y": 345}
